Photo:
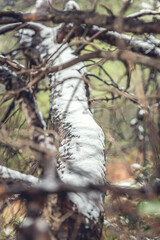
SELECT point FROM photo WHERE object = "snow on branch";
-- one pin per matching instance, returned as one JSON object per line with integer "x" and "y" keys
{"x": 10, "y": 175}
{"x": 9, "y": 27}
{"x": 148, "y": 47}
{"x": 144, "y": 12}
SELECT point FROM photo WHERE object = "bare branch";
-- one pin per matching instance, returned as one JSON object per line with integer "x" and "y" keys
{"x": 82, "y": 17}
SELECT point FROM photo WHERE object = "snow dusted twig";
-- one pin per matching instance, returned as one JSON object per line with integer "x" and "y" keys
{"x": 9, "y": 175}
{"x": 143, "y": 12}
{"x": 154, "y": 40}
{"x": 137, "y": 45}
{"x": 9, "y": 27}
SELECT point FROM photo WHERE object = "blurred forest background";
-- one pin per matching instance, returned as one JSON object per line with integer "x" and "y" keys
{"x": 130, "y": 158}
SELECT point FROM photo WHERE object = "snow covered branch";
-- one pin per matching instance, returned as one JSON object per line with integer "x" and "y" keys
{"x": 144, "y": 12}
{"x": 148, "y": 47}
{"x": 9, "y": 175}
